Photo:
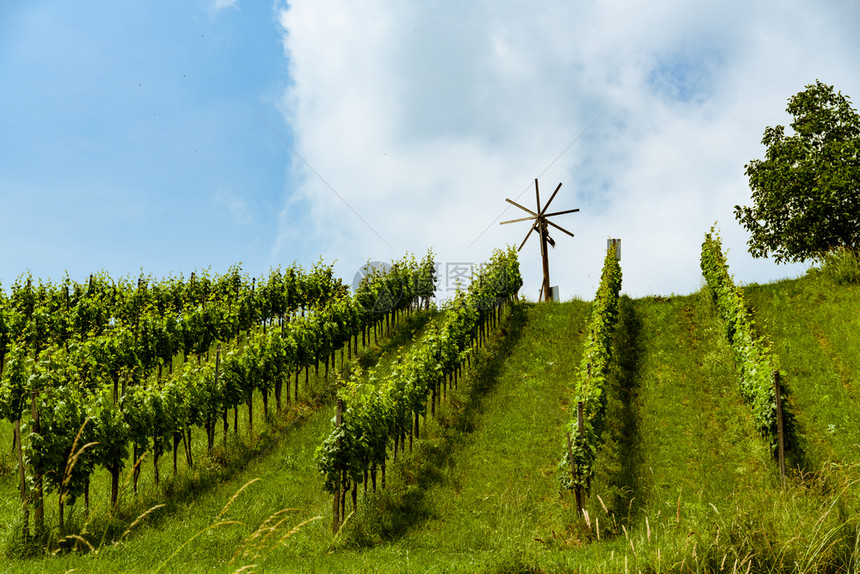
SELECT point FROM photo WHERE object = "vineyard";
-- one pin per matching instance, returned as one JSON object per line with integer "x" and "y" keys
{"x": 84, "y": 382}
{"x": 222, "y": 423}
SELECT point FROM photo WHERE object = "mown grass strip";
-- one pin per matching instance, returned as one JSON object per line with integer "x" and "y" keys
{"x": 814, "y": 326}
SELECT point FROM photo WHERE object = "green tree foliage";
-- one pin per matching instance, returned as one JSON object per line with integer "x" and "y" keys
{"x": 806, "y": 191}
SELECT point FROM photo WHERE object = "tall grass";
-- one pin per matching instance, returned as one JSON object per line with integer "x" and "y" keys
{"x": 842, "y": 266}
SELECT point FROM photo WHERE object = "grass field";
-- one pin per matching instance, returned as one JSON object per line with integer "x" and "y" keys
{"x": 683, "y": 482}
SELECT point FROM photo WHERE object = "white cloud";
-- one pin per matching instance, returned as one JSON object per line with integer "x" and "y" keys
{"x": 218, "y": 5}
{"x": 424, "y": 117}
{"x": 236, "y": 206}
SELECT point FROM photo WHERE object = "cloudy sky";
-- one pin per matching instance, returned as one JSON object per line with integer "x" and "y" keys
{"x": 172, "y": 136}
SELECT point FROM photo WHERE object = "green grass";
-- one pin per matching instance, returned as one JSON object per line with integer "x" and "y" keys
{"x": 683, "y": 482}
{"x": 814, "y": 327}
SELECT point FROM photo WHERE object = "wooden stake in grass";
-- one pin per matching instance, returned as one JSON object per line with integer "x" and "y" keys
{"x": 22, "y": 481}
{"x": 780, "y": 436}
{"x": 39, "y": 495}
{"x": 335, "y": 522}
{"x": 580, "y": 426}
{"x": 210, "y": 431}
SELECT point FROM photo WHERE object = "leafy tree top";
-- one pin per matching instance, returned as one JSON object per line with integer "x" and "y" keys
{"x": 806, "y": 191}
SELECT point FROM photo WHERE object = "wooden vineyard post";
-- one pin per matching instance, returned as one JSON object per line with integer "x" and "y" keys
{"x": 779, "y": 429}
{"x": 22, "y": 480}
{"x": 211, "y": 429}
{"x": 572, "y": 468}
{"x": 38, "y": 506}
{"x": 335, "y": 521}
{"x": 580, "y": 429}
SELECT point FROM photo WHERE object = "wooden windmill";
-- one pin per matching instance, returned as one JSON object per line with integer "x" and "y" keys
{"x": 541, "y": 223}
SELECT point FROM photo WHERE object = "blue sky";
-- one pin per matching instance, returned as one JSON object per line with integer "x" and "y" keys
{"x": 173, "y": 136}
{"x": 131, "y": 138}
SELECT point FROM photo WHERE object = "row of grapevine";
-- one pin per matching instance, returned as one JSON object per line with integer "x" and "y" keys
{"x": 582, "y": 440}
{"x": 384, "y": 288}
{"x": 164, "y": 316}
{"x": 755, "y": 360}
{"x": 378, "y": 411}
{"x": 68, "y": 396}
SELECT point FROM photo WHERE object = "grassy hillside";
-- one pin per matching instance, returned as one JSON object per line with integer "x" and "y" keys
{"x": 683, "y": 482}
{"x": 814, "y": 327}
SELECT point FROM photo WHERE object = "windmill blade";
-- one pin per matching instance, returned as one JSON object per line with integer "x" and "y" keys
{"x": 560, "y": 228}
{"x": 512, "y": 202}
{"x": 560, "y": 212}
{"x": 516, "y": 220}
{"x": 550, "y": 240}
{"x": 526, "y": 239}
{"x": 537, "y": 194}
{"x": 550, "y": 199}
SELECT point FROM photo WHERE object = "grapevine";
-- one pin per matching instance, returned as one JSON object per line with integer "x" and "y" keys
{"x": 755, "y": 360}
{"x": 581, "y": 443}
{"x": 380, "y": 411}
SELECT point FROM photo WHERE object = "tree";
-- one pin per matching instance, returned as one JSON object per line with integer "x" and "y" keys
{"x": 806, "y": 192}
